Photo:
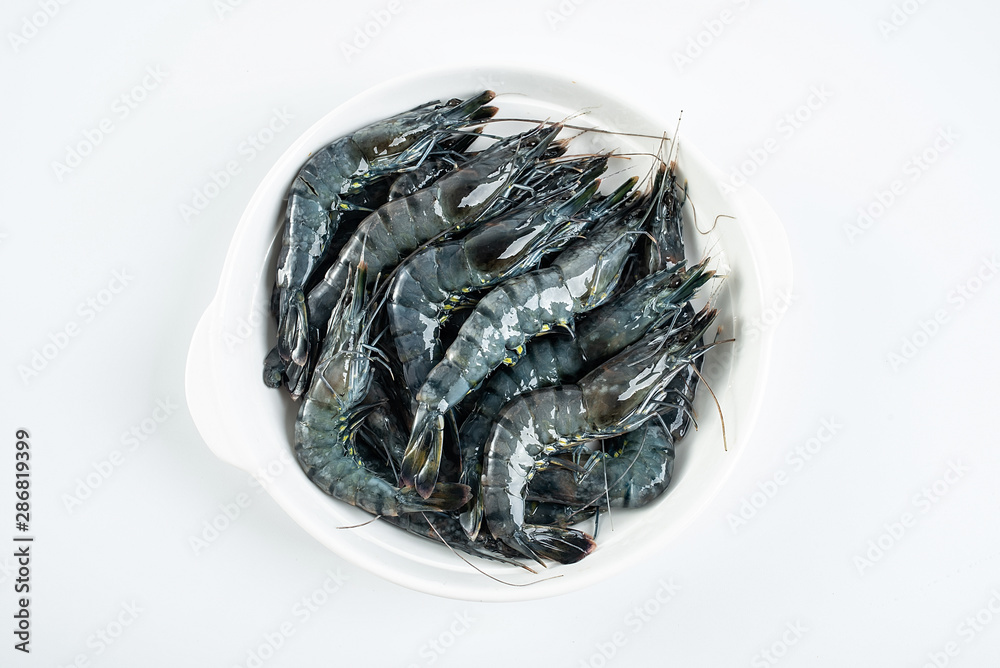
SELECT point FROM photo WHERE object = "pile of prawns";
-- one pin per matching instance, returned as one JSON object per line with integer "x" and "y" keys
{"x": 413, "y": 281}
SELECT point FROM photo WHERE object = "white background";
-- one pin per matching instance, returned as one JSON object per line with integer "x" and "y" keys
{"x": 859, "y": 297}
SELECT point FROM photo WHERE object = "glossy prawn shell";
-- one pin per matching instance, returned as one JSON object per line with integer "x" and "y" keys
{"x": 632, "y": 470}
{"x": 503, "y": 320}
{"x": 421, "y": 177}
{"x": 400, "y": 226}
{"x": 591, "y": 268}
{"x": 556, "y": 360}
{"x": 331, "y": 461}
{"x": 581, "y": 278}
{"x": 324, "y": 439}
{"x": 312, "y": 213}
{"x": 616, "y": 397}
{"x": 636, "y": 469}
{"x": 348, "y": 165}
{"x": 324, "y": 435}
{"x": 439, "y": 277}
{"x": 312, "y": 216}
{"x": 530, "y": 426}
{"x": 325, "y": 447}
{"x": 600, "y": 334}
{"x": 428, "y": 283}
{"x": 620, "y": 394}
{"x": 549, "y": 360}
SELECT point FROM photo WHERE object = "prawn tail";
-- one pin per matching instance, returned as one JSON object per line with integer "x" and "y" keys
{"x": 297, "y": 381}
{"x": 473, "y": 109}
{"x": 422, "y": 458}
{"x": 443, "y": 498}
{"x": 695, "y": 277}
{"x": 472, "y": 519}
{"x": 565, "y": 546}
{"x": 274, "y": 369}
{"x": 293, "y": 337}
{"x": 451, "y": 468}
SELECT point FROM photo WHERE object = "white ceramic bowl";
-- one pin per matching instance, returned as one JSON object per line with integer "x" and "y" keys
{"x": 250, "y": 426}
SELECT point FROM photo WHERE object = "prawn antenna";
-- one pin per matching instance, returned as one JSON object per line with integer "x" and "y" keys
{"x": 363, "y": 524}
{"x": 714, "y": 297}
{"x": 584, "y": 128}
{"x": 378, "y": 356}
{"x": 607, "y": 496}
{"x": 714, "y": 223}
{"x": 659, "y": 152}
{"x": 672, "y": 154}
{"x": 694, "y": 211}
{"x": 383, "y": 445}
{"x": 725, "y": 445}
{"x": 477, "y": 132}
{"x": 492, "y": 577}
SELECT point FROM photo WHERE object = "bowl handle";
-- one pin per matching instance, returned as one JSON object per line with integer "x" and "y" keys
{"x": 202, "y": 402}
